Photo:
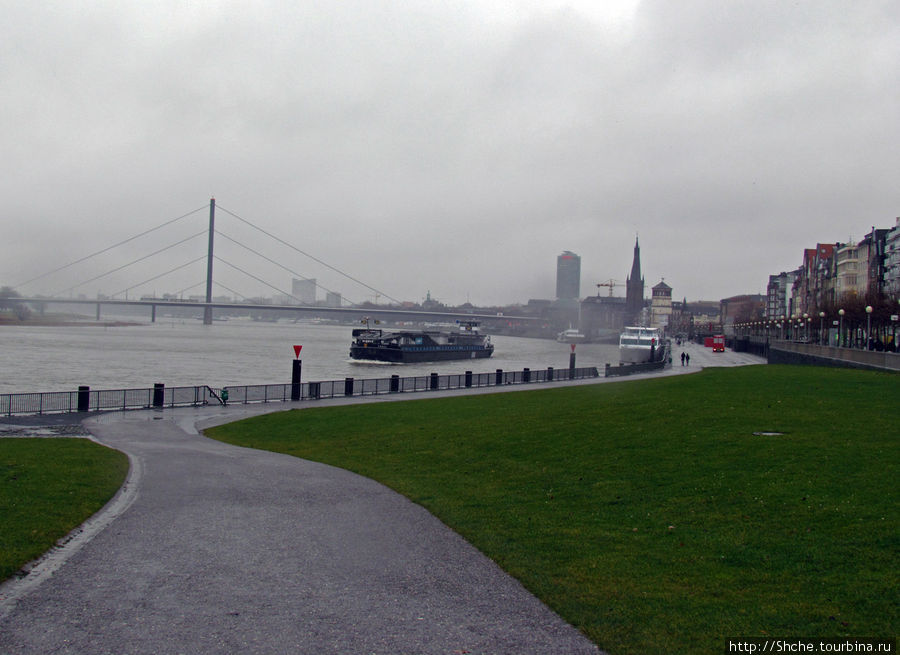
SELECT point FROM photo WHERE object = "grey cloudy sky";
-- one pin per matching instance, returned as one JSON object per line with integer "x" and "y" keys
{"x": 456, "y": 147}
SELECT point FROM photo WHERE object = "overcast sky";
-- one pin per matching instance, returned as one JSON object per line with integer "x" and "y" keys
{"x": 455, "y": 147}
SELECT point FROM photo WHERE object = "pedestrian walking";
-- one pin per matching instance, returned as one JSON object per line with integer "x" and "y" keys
{"x": 687, "y": 359}
{"x": 682, "y": 358}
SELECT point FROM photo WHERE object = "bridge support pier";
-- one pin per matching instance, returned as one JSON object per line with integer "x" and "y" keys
{"x": 98, "y": 311}
{"x": 153, "y": 313}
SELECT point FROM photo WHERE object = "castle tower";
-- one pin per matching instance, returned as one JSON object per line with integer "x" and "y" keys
{"x": 634, "y": 289}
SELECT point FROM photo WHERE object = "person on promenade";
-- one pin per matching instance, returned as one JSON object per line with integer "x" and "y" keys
{"x": 682, "y": 358}
{"x": 687, "y": 359}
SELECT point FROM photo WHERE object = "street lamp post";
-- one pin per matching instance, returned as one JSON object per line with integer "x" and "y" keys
{"x": 841, "y": 328}
{"x": 806, "y": 320}
{"x": 868, "y": 327}
{"x": 821, "y": 334}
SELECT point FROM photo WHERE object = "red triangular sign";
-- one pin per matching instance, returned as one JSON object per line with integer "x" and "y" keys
{"x": 297, "y": 350}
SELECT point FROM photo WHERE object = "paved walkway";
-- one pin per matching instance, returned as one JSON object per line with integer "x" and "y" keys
{"x": 210, "y": 548}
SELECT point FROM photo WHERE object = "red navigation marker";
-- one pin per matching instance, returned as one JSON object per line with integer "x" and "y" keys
{"x": 297, "y": 350}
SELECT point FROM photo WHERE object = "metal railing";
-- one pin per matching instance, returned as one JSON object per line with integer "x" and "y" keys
{"x": 87, "y": 400}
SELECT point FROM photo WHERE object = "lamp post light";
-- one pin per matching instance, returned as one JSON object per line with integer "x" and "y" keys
{"x": 894, "y": 319}
{"x": 806, "y": 320}
{"x": 869, "y": 327}
{"x": 841, "y": 328}
{"x": 821, "y": 334}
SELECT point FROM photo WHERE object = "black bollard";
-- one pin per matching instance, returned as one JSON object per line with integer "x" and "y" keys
{"x": 468, "y": 379}
{"x": 434, "y": 381}
{"x": 549, "y": 374}
{"x": 84, "y": 399}
{"x": 159, "y": 394}
{"x": 348, "y": 386}
{"x": 499, "y": 379}
{"x": 395, "y": 383}
{"x": 296, "y": 386}
{"x": 526, "y": 375}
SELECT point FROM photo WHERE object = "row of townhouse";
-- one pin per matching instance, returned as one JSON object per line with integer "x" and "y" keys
{"x": 833, "y": 274}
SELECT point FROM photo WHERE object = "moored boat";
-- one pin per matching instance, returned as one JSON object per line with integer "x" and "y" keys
{"x": 638, "y": 345}
{"x": 403, "y": 346}
{"x": 572, "y": 335}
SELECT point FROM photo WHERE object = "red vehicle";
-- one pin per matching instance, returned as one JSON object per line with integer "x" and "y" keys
{"x": 718, "y": 343}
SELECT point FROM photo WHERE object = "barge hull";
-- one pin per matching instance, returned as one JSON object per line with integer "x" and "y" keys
{"x": 397, "y": 356}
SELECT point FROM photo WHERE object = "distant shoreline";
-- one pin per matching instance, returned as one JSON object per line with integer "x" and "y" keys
{"x": 50, "y": 321}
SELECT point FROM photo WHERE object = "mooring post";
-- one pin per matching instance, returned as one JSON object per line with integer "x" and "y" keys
{"x": 159, "y": 394}
{"x": 84, "y": 398}
{"x": 296, "y": 386}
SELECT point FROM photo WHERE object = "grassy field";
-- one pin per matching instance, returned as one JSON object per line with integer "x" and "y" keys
{"x": 650, "y": 514}
{"x": 47, "y": 488}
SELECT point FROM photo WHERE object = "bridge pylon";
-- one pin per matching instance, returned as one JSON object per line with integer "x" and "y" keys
{"x": 207, "y": 311}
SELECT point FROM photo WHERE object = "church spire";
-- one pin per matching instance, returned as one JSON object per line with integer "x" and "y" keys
{"x": 634, "y": 288}
{"x": 636, "y": 263}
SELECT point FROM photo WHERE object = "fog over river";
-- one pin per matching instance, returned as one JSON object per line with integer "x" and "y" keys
{"x": 183, "y": 352}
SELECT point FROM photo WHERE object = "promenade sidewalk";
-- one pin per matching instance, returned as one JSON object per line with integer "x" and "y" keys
{"x": 210, "y": 548}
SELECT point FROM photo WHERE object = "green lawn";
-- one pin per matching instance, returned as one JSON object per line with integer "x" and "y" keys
{"x": 47, "y": 488}
{"x": 648, "y": 513}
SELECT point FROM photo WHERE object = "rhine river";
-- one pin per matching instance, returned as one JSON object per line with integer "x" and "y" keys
{"x": 184, "y": 352}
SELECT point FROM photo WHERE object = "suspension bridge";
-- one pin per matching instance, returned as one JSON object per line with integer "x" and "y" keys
{"x": 208, "y": 304}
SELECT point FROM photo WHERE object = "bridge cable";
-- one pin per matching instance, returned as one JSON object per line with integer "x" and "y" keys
{"x": 306, "y": 254}
{"x": 181, "y": 291}
{"x": 238, "y": 268}
{"x": 229, "y": 290}
{"x": 156, "y": 277}
{"x": 107, "y": 249}
{"x": 139, "y": 259}
{"x": 272, "y": 261}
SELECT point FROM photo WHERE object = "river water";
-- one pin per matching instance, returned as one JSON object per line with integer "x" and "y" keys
{"x": 236, "y": 352}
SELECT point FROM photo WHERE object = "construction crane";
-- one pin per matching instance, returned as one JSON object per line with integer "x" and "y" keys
{"x": 610, "y": 284}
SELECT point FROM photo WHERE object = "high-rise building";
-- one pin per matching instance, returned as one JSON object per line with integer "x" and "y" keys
{"x": 568, "y": 276}
{"x": 304, "y": 291}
